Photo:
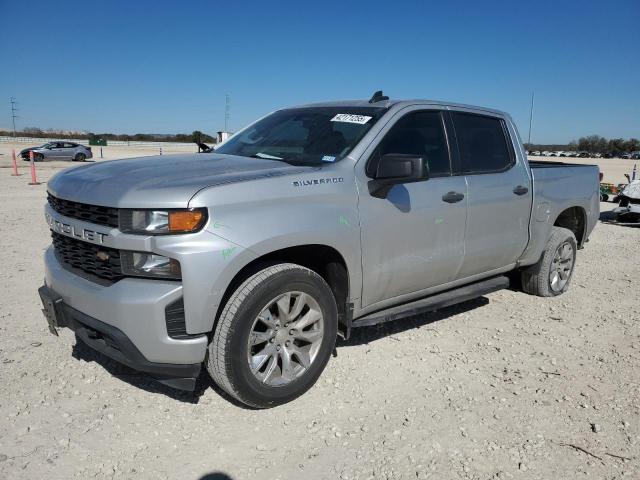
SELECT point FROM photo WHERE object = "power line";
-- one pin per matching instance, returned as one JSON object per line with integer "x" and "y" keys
{"x": 13, "y": 102}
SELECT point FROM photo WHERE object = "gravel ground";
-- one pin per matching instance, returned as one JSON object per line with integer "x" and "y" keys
{"x": 506, "y": 386}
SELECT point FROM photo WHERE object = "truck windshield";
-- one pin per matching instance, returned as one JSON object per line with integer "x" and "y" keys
{"x": 304, "y": 136}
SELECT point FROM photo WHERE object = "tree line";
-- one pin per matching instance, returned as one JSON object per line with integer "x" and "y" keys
{"x": 592, "y": 144}
{"x": 196, "y": 136}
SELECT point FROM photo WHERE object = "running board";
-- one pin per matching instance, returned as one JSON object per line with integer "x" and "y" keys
{"x": 434, "y": 302}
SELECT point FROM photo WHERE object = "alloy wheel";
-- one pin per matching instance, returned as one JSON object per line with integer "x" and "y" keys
{"x": 285, "y": 338}
{"x": 561, "y": 267}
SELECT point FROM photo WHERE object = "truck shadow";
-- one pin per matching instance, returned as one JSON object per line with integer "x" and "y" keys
{"x": 359, "y": 336}
{"x": 145, "y": 382}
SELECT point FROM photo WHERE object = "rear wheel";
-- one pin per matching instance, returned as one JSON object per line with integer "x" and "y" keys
{"x": 552, "y": 274}
{"x": 80, "y": 157}
{"x": 274, "y": 336}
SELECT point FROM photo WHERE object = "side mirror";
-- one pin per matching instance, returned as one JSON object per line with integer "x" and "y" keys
{"x": 395, "y": 168}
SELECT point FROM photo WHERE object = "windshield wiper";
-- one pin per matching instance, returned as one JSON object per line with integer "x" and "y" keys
{"x": 266, "y": 156}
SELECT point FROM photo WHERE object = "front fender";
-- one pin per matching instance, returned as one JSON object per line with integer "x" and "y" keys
{"x": 266, "y": 215}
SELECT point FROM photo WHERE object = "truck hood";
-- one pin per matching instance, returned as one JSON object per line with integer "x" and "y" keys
{"x": 167, "y": 181}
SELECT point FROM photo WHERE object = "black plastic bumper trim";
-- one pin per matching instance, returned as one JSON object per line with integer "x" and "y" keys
{"x": 113, "y": 343}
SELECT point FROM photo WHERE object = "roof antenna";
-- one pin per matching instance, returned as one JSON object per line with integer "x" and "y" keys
{"x": 378, "y": 97}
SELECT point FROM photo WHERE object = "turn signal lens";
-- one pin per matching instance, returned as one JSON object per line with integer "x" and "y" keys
{"x": 185, "y": 221}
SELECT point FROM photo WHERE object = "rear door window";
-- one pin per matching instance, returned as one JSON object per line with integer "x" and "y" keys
{"x": 482, "y": 143}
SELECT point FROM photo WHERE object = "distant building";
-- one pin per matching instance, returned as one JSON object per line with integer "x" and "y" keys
{"x": 222, "y": 136}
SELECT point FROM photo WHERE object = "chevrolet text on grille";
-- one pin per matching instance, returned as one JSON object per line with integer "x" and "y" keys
{"x": 73, "y": 231}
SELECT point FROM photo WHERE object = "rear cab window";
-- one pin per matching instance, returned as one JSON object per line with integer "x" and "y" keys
{"x": 483, "y": 143}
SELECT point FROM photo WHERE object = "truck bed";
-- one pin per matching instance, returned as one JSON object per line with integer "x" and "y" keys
{"x": 559, "y": 186}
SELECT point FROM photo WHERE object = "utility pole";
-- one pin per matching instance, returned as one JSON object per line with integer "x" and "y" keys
{"x": 13, "y": 102}
{"x": 227, "y": 113}
{"x": 533, "y": 96}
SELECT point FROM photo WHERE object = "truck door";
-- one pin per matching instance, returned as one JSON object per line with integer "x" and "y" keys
{"x": 414, "y": 238}
{"x": 499, "y": 193}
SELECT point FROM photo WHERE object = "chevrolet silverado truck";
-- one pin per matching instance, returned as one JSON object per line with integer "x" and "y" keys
{"x": 250, "y": 260}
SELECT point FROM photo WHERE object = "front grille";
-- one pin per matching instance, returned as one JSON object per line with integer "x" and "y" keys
{"x": 89, "y": 213}
{"x": 83, "y": 257}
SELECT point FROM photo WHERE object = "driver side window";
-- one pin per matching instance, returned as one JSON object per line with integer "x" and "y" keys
{"x": 420, "y": 134}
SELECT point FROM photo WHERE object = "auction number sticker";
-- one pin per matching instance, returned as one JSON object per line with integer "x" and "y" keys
{"x": 351, "y": 118}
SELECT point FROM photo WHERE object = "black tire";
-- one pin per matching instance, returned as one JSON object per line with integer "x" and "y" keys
{"x": 604, "y": 197}
{"x": 536, "y": 278}
{"x": 227, "y": 359}
{"x": 38, "y": 157}
{"x": 80, "y": 157}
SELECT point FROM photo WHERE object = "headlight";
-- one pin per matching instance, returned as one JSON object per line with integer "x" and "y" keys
{"x": 140, "y": 264}
{"x": 162, "y": 222}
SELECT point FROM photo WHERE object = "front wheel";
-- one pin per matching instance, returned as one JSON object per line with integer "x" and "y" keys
{"x": 552, "y": 274}
{"x": 274, "y": 336}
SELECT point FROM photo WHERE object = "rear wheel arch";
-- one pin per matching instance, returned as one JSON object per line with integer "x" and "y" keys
{"x": 574, "y": 219}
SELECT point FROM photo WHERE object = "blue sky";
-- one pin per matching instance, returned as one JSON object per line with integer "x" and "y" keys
{"x": 165, "y": 67}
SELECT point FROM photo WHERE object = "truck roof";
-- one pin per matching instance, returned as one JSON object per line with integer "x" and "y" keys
{"x": 396, "y": 102}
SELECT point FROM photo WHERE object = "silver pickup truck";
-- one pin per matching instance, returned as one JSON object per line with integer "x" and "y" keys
{"x": 312, "y": 221}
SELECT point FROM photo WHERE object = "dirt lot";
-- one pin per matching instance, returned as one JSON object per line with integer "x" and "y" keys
{"x": 507, "y": 386}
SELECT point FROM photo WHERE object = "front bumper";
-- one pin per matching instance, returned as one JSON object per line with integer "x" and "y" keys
{"x": 131, "y": 312}
{"x": 113, "y": 343}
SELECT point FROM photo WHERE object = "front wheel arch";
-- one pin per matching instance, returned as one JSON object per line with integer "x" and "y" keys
{"x": 322, "y": 259}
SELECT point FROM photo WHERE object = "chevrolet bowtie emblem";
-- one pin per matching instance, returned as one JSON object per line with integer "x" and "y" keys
{"x": 104, "y": 256}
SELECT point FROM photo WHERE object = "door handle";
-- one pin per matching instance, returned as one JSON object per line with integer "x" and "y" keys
{"x": 520, "y": 190}
{"x": 452, "y": 197}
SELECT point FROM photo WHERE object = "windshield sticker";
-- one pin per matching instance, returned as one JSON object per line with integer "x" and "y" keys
{"x": 350, "y": 118}
{"x": 328, "y": 158}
